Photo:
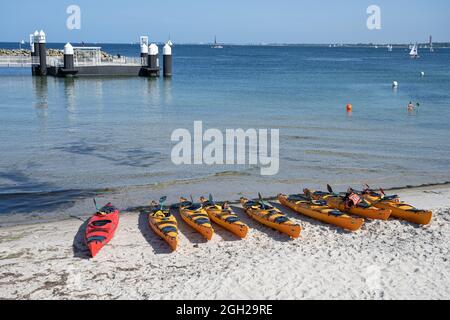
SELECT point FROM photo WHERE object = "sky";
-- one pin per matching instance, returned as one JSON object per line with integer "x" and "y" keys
{"x": 233, "y": 21}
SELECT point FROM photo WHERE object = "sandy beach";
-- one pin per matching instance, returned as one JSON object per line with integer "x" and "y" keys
{"x": 384, "y": 260}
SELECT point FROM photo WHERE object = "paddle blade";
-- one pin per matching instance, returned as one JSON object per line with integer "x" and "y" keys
{"x": 192, "y": 199}
{"x": 329, "y": 188}
{"x": 382, "y": 191}
{"x": 211, "y": 199}
{"x": 161, "y": 202}
{"x": 96, "y": 206}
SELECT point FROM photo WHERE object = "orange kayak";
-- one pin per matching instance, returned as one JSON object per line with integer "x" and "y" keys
{"x": 362, "y": 209}
{"x": 164, "y": 225}
{"x": 400, "y": 209}
{"x": 271, "y": 217}
{"x": 319, "y": 210}
{"x": 226, "y": 218}
{"x": 197, "y": 217}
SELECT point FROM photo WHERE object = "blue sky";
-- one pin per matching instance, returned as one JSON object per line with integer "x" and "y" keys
{"x": 233, "y": 21}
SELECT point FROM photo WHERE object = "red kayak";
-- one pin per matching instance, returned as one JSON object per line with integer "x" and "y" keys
{"x": 101, "y": 228}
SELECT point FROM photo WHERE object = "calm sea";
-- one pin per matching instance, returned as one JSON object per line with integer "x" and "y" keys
{"x": 64, "y": 141}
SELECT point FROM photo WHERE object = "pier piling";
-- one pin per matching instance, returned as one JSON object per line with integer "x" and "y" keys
{"x": 167, "y": 60}
{"x": 68, "y": 57}
{"x": 144, "y": 54}
{"x": 35, "y": 54}
{"x": 42, "y": 54}
{"x": 153, "y": 57}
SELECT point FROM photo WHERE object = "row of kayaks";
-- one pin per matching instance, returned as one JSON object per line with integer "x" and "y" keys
{"x": 346, "y": 210}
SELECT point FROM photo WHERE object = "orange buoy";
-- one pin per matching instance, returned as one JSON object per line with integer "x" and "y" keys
{"x": 349, "y": 108}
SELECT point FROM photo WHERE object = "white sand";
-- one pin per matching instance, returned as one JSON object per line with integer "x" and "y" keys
{"x": 385, "y": 260}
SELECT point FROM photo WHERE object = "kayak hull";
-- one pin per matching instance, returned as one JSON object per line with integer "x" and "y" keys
{"x": 372, "y": 213}
{"x": 156, "y": 224}
{"x": 291, "y": 229}
{"x": 101, "y": 230}
{"x": 322, "y": 213}
{"x": 403, "y": 211}
{"x": 239, "y": 229}
{"x": 206, "y": 230}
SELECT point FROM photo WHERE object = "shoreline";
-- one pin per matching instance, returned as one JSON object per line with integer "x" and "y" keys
{"x": 6, "y": 220}
{"x": 383, "y": 260}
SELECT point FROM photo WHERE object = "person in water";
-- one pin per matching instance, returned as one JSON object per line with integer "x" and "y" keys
{"x": 410, "y": 106}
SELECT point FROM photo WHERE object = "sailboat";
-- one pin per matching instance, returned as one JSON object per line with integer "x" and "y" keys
{"x": 414, "y": 54}
{"x": 431, "y": 44}
{"x": 216, "y": 45}
{"x": 389, "y": 47}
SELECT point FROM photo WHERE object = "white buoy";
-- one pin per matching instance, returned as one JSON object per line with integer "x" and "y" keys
{"x": 395, "y": 84}
{"x": 422, "y": 74}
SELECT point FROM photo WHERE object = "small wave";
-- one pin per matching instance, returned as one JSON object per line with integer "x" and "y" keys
{"x": 232, "y": 174}
{"x": 35, "y": 202}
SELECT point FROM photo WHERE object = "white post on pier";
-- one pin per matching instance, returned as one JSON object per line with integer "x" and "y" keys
{"x": 153, "y": 57}
{"x": 167, "y": 60}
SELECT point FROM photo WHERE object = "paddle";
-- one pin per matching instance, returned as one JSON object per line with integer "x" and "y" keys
{"x": 161, "y": 202}
{"x": 211, "y": 199}
{"x": 96, "y": 207}
{"x": 192, "y": 199}
{"x": 261, "y": 200}
{"x": 330, "y": 189}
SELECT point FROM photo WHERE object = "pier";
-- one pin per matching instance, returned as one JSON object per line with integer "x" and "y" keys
{"x": 88, "y": 61}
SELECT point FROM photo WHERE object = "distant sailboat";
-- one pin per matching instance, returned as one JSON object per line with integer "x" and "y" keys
{"x": 216, "y": 45}
{"x": 414, "y": 54}
{"x": 389, "y": 47}
{"x": 431, "y": 44}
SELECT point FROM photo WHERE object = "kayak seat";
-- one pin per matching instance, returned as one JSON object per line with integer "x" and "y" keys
{"x": 202, "y": 221}
{"x": 281, "y": 220}
{"x": 101, "y": 223}
{"x": 232, "y": 219}
{"x": 335, "y": 213}
{"x": 319, "y": 202}
{"x": 194, "y": 207}
{"x": 390, "y": 198}
{"x": 95, "y": 239}
{"x": 169, "y": 229}
{"x": 166, "y": 222}
{"x": 364, "y": 205}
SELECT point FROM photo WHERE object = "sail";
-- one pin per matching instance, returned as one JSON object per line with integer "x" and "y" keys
{"x": 414, "y": 51}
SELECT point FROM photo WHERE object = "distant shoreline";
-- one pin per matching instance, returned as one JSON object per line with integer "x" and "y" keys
{"x": 436, "y": 45}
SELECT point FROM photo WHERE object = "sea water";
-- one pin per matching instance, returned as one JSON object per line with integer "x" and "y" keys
{"x": 64, "y": 141}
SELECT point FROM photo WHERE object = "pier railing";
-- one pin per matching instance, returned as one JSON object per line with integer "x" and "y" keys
{"x": 125, "y": 61}
{"x": 15, "y": 61}
{"x": 28, "y": 61}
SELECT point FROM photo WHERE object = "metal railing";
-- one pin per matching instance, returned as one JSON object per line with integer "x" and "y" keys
{"x": 24, "y": 61}
{"x": 15, "y": 61}
{"x": 122, "y": 61}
